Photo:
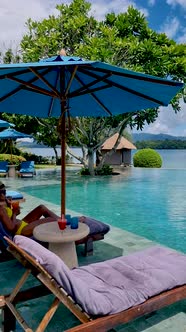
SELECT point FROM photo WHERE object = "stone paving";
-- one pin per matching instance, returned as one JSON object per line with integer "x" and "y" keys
{"x": 117, "y": 242}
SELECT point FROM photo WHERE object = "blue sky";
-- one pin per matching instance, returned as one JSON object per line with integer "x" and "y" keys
{"x": 167, "y": 16}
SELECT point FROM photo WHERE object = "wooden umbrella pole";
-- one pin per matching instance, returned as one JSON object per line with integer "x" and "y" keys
{"x": 63, "y": 158}
{"x": 11, "y": 145}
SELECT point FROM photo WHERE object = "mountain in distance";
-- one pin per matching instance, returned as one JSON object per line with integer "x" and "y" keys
{"x": 31, "y": 145}
{"x": 155, "y": 137}
{"x": 136, "y": 137}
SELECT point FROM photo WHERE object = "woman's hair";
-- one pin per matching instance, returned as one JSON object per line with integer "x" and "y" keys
{"x": 2, "y": 186}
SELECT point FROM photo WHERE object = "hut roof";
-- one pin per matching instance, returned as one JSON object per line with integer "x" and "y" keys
{"x": 124, "y": 143}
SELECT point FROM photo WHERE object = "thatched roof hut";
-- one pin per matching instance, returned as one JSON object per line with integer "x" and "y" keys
{"x": 122, "y": 155}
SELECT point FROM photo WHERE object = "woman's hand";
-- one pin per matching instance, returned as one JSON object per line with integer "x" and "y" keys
{"x": 16, "y": 208}
{"x": 9, "y": 201}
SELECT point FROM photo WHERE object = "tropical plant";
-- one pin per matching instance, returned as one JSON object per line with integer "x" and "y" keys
{"x": 12, "y": 159}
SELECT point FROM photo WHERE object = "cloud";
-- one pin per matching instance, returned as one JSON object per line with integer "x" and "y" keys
{"x": 173, "y": 3}
{"x": 182, "y": 38}
{"x": 170, "y": 27}
{"x": 14, "y": 16}
{"x": 100, "y": 8}
{"x": 169, "y": 122}
{"x": 151, "y": 2}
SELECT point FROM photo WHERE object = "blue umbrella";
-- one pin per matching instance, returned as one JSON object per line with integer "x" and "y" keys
{"x": 11, "y": 135}
{"x": 5, "y": 124}
{"x": 64, "y": 86}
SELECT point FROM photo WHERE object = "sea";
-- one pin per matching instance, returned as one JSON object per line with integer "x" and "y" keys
{"x": 171, "y": 158}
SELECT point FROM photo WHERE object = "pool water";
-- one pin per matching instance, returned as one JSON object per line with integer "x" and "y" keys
{"x": 147, "y": 202}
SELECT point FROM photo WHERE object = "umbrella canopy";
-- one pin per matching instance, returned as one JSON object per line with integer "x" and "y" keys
{"x": 5, "y": 124}
{"x": 90, "y": 88}
{"x": 70, "y": 86}
{"x": 11, "y": 135}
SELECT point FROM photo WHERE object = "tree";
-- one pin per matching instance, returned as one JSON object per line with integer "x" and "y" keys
{"x": 91, "y": 133}
{"x": 123, "y": 39}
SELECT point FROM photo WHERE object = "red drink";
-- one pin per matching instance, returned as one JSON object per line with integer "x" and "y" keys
{"x": 62, "y": 223}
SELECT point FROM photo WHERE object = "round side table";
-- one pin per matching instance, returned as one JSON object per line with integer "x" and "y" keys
{"x": 62, "y": 242}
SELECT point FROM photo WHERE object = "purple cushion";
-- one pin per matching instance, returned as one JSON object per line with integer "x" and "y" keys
{"x": 114, "y": 285}
{"x": 96, "y": 227}
{"x": 50, "y": 261}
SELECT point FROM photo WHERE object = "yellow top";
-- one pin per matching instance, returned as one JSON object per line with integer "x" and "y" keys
{"x": 9, "y": 211}
{"x": 22, "y": 224}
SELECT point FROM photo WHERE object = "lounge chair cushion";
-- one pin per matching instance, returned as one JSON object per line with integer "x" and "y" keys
{"x": 3, "y": 166}
{"x": 96, "y": 227}
{"x": 14, "y": 194}
{"x": 27, "y": 167}
{"x": 117, "y": 284}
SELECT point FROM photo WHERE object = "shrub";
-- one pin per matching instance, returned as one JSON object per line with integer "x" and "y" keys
{"x": 105, "y": 170}
{"x": 12, "y": 159}
{"x": 147, "y": 158}
{"x": 84, "y": 171}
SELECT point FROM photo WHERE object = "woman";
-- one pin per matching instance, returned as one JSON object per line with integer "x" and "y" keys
{"x": 9, "y": 211}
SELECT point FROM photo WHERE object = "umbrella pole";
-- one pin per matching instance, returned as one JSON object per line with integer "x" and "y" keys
{"x": 63, "y": 160}
{"x": 11, "y": 144}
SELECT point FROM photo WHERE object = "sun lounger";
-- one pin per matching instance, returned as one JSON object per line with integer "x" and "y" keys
{"x": 98, "y": 229}
{"x": 15, "y": 195}
{"x": 101, "y": 295}
{"x": 3, "y": 168}
{"x": 27, "y": 169}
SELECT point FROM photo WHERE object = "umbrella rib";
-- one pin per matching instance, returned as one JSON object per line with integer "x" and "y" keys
{"x": 95, "y": 97}
{"x": 33, "y": 87}
{"x": 21, "y": 72}
{"x": 71, "y": 79}
{"x": 52, "y": 100}
{"x": 45, "y": 92}
{"x": 19, "y": 87}
{"x": 100, "y": 88}
{"x": 50, "y": 108}
{"x": 45, "y": 81}
{"x": 162, "y": 81}
{"x": 139, "y": 94}
{"x": 124, "y": 88}
{"x": 78, "y": 91}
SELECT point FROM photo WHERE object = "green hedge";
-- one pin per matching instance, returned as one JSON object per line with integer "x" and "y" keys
{"x": 147, "y": 158}
{"x": 15, "y": 160}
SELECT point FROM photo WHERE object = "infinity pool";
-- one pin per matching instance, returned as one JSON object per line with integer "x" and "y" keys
{"x": 148, "y": 202}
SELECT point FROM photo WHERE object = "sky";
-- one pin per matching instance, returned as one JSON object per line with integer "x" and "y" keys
{"x": 167, "y": 16}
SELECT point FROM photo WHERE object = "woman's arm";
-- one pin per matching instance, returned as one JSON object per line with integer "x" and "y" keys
{"x": 8, "y": 223}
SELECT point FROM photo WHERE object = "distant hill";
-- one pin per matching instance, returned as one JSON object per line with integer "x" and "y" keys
{"x": 31, "y": 145}
{"x": 136, "y": 138}
{"x": 152, "y": 137}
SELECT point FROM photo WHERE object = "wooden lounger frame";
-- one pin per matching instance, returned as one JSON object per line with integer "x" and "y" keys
{"x": 49, "y": 285}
